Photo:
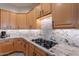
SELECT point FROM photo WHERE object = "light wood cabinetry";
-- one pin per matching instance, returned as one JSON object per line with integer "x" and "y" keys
{"x": 6, "y": 47}
{"x": 38, "y": 11}
{"x": 34, "y": 51}
{"x": 77, "y": 15}
{"x": 26, "y": 48}
{"x": 46, "y": 8}
{"x": 43, "y": 9}
{"x": 31, "y": 50}
{"x": 38, "y": 23}
{"x": 13, "y": 24}
{"x": 39, "y": 52}
{"x": 5, "y": 19}
{"x": 63, "y": 15}
{"x": 27, "y": 19}
{"x": 31, "y": 19}
{"x": 19, "y": 45}
{"x": 21, "y": 20}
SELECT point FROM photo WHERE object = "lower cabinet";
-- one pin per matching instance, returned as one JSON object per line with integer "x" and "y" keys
{"x": 39, "y": 52}
{"x": 19, "y": 45}
{"x": 26, "y": 49}
{"x": 6, "y": 47}
{"x": 34, "y": 51}
{"x": 31, "y": 50}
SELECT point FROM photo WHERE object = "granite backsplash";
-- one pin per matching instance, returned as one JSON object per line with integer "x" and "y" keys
{"x": 66, "y": 36}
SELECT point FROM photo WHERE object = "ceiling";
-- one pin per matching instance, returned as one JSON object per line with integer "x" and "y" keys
{"x": 23, "y": 4}
{"x": 18, "y": 7}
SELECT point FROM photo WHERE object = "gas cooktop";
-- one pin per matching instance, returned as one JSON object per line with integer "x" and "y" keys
{"x": 44, "y": 43}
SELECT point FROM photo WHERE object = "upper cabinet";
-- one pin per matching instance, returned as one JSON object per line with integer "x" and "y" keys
{"x": 12, "y": 21}
{"x": 5, "y": 17}
{"x": 31, "y": 19}
{"x": 21, "y": 21}
{"x": 46, "y": 8}
{"x": 38, "y": 11}
{"x": 43, "y": 9}
{"x": 63, "y": 15}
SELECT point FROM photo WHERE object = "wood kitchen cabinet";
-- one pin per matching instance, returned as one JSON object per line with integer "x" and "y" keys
{"x": 26, "y": 48}
{"x": 21, "y": 21}
{"x": 27, "y": 20}
{"x": 38, "y": 11}
{"x": 6, "y": 47}
{"x": 34, "y": 51}
{"x": 39, "y": 52}
{"x": 13, "y": 24}
{"x": 5, "y": 17}
{"x": 63, "y": 15}
{"x": 38, "y": 23}
{"x": 31, "y": 19}
{"x": 77, "y": 15}
{"x": 43, "y": 9}
{"x": 31, "y": 50}
{"x": 19, "y": 45}
{"x": 46, "y": 8}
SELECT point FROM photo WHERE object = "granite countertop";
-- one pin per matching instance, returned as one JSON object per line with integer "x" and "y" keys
{"x": 65, "y": 50}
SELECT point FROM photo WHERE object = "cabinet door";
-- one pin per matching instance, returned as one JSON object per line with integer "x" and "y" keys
{"x": 31, "y": 19}
{"x": 31, "y": 50}
{"x": 13, "y": 21}
{"x": 5, "y": 16}
{"x": 39, "y": 52}
{"x": 26, "y": 51}
{"x": 6, "y": 47}
{"x": 63, "y": 16}
{"x": 38, "y": 10}
{"x": 38, "y": 23}
{"x": 19, "y": 45}
{"x": 77, "y": 15}
{"x": 21, "y": 20}
{"x": 27, "y": 20}
{"x": 46, "y": 8}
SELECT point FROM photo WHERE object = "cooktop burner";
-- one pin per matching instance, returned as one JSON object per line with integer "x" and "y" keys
{"x": 44, "y": 43}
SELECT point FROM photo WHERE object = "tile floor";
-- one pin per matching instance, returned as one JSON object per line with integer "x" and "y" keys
{"x": 17, "y": 54}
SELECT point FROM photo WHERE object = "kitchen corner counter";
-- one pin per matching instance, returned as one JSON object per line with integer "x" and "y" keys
{"x": 40, "y": 47}
{"x": 30, "y": 41}
{"x": 65, "y": 50}
{"x": 57, "y": 50}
